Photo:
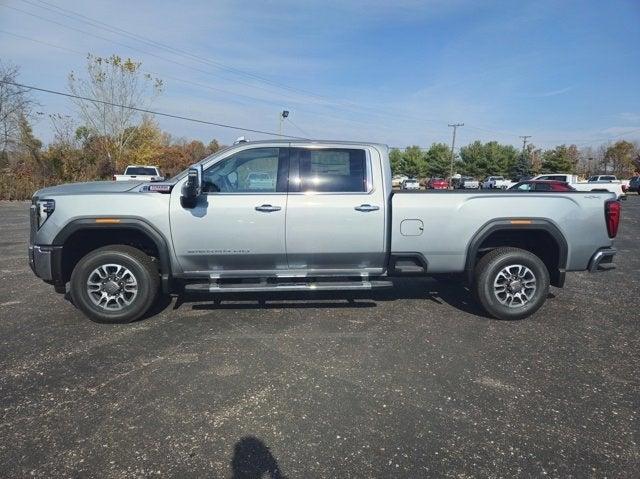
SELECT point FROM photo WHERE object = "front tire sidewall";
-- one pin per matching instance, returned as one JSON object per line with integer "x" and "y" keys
{"x": 485, "y": 288}
{"x": 137, "y": 308}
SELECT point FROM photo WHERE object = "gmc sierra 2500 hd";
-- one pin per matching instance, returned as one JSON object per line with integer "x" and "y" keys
{"x": 322, "y": 217}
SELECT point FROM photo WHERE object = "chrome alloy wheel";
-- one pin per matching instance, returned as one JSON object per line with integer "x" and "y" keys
{"x": 112, "y": 287}
{"x": 514, "y": 286}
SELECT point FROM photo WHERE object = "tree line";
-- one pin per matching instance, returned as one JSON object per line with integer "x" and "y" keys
{"x": 480, "y": 160}
{"x": 104, "y": 136}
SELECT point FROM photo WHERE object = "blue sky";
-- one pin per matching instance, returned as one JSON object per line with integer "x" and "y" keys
{"x": 390, "y": 71}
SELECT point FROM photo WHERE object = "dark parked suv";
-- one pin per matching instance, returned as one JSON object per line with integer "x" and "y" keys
{"x": 634, "y": 184}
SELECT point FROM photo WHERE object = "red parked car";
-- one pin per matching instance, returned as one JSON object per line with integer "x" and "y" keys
{"x": 437, "y": 184}
{"x": 542, "y": 185}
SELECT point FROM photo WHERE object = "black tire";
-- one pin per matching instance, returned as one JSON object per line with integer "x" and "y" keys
{"x": 488, "y": 271}
{"x": 141, "y": 267}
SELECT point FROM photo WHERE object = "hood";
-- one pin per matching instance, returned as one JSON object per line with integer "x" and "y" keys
{"x": 91, "y": 187}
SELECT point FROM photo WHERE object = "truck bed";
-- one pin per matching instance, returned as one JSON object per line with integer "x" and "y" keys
{"x": 439, "y": 225}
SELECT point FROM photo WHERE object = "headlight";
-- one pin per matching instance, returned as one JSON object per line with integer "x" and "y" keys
{"x": 44, "y": 209}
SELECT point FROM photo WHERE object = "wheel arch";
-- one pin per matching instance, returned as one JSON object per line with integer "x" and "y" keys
{"x": 105, "y": 231}
{"x": 516, "y": 232}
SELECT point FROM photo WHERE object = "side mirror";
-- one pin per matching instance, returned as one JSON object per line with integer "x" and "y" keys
{"x": 192, "y": 188}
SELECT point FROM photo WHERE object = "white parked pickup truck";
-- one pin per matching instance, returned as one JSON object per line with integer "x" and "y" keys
{"x": 496, "y": 182}
{"x": 596, "y": 185}
{"x": 140, "y": 173}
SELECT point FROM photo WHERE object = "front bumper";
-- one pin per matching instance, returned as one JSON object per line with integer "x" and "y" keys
{"x": 602, "y": 260}
{"x": 46, "y": 263}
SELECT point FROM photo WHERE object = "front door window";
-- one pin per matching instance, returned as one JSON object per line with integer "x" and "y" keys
{"x": 258, "y": 170}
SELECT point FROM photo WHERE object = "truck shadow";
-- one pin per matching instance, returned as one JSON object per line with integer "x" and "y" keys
{"x": 443, "y": 290}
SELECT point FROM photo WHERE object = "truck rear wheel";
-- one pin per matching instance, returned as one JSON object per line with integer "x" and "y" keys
{"x": 114, "y": 284}
{"x": 511, "y": 283}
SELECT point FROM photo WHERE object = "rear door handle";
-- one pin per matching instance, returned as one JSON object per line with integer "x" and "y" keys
{"x": 268, "y": 208}
{"x": 367, "y": 207}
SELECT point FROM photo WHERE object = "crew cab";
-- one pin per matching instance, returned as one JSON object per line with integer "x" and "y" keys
{"x": 329, "y": 220}
{"x": 591, "y": 185}
{"x": 140, "y": 173}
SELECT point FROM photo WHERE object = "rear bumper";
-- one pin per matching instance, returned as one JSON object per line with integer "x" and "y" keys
{"x": 602, "y": 260}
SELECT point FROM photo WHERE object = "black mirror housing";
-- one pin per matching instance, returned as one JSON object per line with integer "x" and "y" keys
{"x": 192, "y": 188}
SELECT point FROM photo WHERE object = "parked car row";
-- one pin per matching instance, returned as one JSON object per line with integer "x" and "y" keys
{"x": 545, "y": 182}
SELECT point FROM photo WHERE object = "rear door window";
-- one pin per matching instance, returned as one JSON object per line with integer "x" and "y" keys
{"x": 331, "y": 170}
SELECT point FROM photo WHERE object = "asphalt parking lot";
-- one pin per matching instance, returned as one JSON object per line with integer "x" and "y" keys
{"x": 411, "y": 382}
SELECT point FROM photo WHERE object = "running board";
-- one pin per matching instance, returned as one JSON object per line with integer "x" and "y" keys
{"x": 215, "y": 287}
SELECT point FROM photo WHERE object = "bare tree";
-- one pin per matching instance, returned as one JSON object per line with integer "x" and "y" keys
{"x": 15, "y": 107}
{"x": 119, "y": 85}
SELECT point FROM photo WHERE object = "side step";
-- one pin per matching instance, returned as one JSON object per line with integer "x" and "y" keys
{"x": 264, "y": 286}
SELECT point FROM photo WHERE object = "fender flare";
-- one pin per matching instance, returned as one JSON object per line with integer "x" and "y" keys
{"x": 132, "y": 223}
{"x": 529, "y": 224}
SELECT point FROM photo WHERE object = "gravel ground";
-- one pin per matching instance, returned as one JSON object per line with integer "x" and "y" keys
{"x": 412, "y": 382}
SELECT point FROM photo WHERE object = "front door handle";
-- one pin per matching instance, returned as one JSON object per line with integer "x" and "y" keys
{"x": 367, "y": 207}
{"x": 268, "y": 208}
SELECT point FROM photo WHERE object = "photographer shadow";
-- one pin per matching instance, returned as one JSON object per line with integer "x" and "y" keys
{"x": 252, "y": 459}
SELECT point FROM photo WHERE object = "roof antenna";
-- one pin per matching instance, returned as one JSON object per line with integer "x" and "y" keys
{"x": 240, "y": 139}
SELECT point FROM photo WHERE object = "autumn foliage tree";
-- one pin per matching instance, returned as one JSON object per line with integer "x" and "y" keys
{"x": 107, "y": 99}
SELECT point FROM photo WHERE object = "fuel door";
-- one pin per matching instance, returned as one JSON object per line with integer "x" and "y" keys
{"x": 411, "y": 227}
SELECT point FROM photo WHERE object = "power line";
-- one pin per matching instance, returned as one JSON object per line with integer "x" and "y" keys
{"x": 160, "y": 57}
{"x": 578, "y": 142}
{"x": 154, "y": 43}
{"x": 345, "y": 104}
{"x": 183, "y": 53}
{"x": 231, "y": 94}
{"x": 297, "y": 127}
{"x": 152, "y": 112}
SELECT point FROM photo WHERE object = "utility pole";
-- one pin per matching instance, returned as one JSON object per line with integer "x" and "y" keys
{"x": 283, "y": 114}
{"x": 453, "y": 149}
{"x": 524, "y": 141}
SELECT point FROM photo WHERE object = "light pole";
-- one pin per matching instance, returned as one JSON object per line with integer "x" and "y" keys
{"x": 283, "y": 114}
{"x": 453, "y": 149}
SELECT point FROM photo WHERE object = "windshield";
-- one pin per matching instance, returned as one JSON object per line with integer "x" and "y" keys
{"x": 178, "y": 176}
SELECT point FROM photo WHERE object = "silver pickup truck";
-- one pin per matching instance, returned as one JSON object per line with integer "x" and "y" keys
{"x": 322, "y": 217}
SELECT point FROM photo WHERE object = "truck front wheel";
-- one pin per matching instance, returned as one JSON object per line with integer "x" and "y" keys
{"x": 511, "y": 283}
{"x": 114, "y": 284}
